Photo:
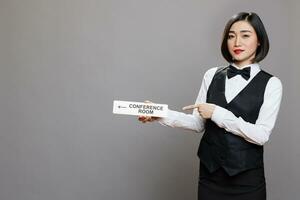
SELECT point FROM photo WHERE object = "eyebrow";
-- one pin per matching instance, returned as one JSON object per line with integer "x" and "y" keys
{"x": 242, "y": 31}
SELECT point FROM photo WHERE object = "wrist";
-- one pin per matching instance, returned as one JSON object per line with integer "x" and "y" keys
{"x": 218, "y": 114}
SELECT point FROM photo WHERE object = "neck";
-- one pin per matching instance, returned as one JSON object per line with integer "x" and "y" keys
{"x": 242, "y": 65}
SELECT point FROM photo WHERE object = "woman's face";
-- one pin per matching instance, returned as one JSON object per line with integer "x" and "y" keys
{"x": 242, "y": 43}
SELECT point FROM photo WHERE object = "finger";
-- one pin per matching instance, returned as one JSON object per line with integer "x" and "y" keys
{"x": 148, "y": 119}
{"x": 155, "y": 118}
{"x": 202, "y": 114}
{"x": 147, "y": 101}
{"x": 145, "y": 120}
{"x": 201, "y": 107}
{"x": 189, "y": 107}
{"x": 141, "y": 118}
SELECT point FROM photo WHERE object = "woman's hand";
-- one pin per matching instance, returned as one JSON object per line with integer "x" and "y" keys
{"x": 205, "y": 109}
{"x": 145, "y": 119}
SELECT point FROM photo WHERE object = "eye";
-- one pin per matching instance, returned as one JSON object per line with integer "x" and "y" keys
{"x": 230, "y": 37}
{"x": 246, "y": 36}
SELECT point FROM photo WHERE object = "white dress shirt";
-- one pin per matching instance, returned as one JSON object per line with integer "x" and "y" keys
{"x": 257, "y": 133}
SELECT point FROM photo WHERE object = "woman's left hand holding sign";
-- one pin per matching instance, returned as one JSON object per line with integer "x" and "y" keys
{"x": 145, "y": 119}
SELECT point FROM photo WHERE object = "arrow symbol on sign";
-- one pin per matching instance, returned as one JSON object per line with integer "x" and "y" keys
{"x": 121, "y": 107}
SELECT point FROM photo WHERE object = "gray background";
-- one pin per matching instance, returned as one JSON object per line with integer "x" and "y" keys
{"x": 63, "y": 62}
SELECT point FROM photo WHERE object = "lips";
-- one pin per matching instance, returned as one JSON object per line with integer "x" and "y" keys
{"x": 238, "y": 51}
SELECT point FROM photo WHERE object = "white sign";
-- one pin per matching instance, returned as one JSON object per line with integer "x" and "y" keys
{"x": 140, "y": 108}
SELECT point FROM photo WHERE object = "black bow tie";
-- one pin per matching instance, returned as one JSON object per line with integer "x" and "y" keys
{"x": 232, "y": 71}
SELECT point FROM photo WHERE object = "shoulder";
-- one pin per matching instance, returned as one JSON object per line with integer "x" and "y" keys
{"x": 211, "y": 72}
{"x": 275, "y": 83}
{"x": 273, "y": 88}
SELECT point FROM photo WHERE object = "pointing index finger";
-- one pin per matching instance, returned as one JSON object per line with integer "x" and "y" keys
{"x": 189, "y": 107}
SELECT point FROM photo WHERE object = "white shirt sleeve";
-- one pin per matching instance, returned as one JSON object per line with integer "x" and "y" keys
{"x": 259, "y": 132}
{"x": 192, "y": 121}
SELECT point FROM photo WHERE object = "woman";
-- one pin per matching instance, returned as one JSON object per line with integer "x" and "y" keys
{"x": 236, "y": 108}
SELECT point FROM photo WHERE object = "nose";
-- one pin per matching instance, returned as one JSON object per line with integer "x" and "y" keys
{"x": 237, "y": 41}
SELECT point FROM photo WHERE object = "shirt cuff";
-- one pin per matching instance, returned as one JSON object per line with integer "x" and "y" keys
{"x": 219, "y": 115}
{"x": 169, "y": 120}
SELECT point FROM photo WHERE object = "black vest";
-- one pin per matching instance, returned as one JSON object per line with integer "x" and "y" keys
{"x": 219, "y": 148}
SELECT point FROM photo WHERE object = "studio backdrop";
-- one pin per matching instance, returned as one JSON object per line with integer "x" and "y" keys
{"x": 63, "y": 62}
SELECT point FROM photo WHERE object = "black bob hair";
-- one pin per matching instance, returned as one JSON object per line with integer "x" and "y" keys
{"x": 254, "y": 20}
